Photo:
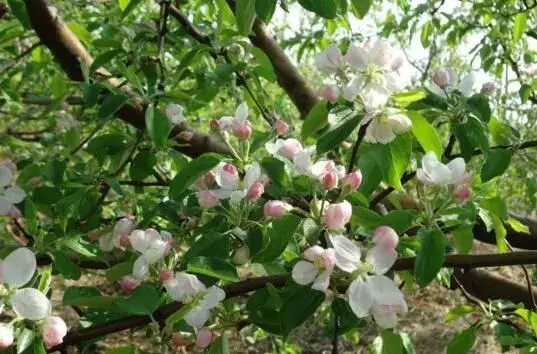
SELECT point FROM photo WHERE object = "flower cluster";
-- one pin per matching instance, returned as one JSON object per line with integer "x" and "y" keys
{"x": 16, "y": 271}
{"x": 367, "y": 75}
{"x": 10, "y": 194}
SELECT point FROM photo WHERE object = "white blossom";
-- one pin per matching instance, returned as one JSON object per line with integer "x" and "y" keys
{"x": 434, "y": 172}
{"x": 384, "y": 126}
{"x": 231, "y": 186}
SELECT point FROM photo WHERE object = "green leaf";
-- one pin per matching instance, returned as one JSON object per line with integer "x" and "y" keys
{"x": 336, "y": 135}
{"x": 525, "y": 92}
{"x": 265, "y": 9}
{"x": 80, "y": 246}
{"x": 118, "y": 271}
{"x": 46, "y": 195}
{"x": 530, "y": 317}
{"x": 426, "y": 32}
{"x": 210, "y": 244}
{"x": 122, "y": 350}
{"x": 213, "y": 267}
{"x": 391, "y": 342}
{"x": 405, "y": 98}
{"x": 299, "y": 307}
{"x": 192, "y": 172}
{"x": 425, "y": 133}
{"x": 94, "y": 302}
{"x": 220, "y": 345}
{"x": 479, "y": 104}
{"x": 518, "y": 226}
{"x": 521, "y": 25}
{"x": 65, "y": 266}
{"x": 275, "y": 169}
{"x": 393, "y": 159}
{"x": 144, "y": 300}
{"x": 130, "y": 7}
{"x": 19, "y": 10}
{"x": 316, "y": 119}
{"x": 158, "y": 125}
{"x": 462, "y": 342}
{"x": 111, "y": 105}
{"x": 103, "y": 59}
{"x": 361, "y": 7}
{"x": 323, "y": 8}
{"x": 496, "y": 163}
{"x": 245, "y": 15}
{"x": 277, "y": 237}
{"x": 464, "y": 238}
{"x": 142, "y": 165}
{"x": 430, "y": 256}
{"x": 24, "y": 340}
{"x": 458, "y": 312}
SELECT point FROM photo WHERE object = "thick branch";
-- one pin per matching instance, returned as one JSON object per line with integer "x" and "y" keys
{"x": 70, "y": 52}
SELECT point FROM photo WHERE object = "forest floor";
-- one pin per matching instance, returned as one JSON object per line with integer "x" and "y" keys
{"x": 424, "y": 323}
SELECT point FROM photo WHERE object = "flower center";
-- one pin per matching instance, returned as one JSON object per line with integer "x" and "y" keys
{"x": 319, "y": 263}
{"x": 371, "y": 72}
{"x": 362, "y": 269}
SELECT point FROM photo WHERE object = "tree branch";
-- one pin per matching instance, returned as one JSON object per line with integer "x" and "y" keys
{"x": 70, "y": 53}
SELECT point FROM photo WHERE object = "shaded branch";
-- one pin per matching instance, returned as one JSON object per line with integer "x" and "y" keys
{"x": 12, "y": 62}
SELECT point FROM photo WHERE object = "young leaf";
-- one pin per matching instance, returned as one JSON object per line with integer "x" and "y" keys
{"x": 430, "y": 256}
{"x": 265, "y": 9}
{"x": 65, "y": 266}
{"x": 521, "y": 24}
{"x": 299, "y": 307}
{"x": 316, "y": 119}
{"x": 143, "y": 301}
{"x": 278, "y": 237}
{"x": 426, "y": 32}
{"x": 158, "y": 126}
{"x": 391, "y": 342}
{"x": 191, "y": 172}
{"x": 458, "y": 312}
{"x": 245, "y": 15}
{"x": 103, "y": 59}
{"x": 213, "y": 267}
{"x": 118, "y": 271}
{"x": 130, "y": 7}
{"x": 496, "y": 163}
{"x": 464, "y": 238}
{"x": 361, "y": 7}
{"x": 335, "y": 136}
{"x": 425, "y": 133}
{"x": 479, "y": 104}
{"x": 462, "y": 342}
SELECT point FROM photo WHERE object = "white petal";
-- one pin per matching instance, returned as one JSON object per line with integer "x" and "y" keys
{"x": 1, "y": 306}
{"x": 241, "y": 113}
{"x": 124, "y": 226}
{"x": 226, "y": 122}
{"x": 385, "y": 291}
{"x": 189, "y": 284}
{"x": 429, "y": 161}
{"x": 379, "y": 132}
{"x": 197, "y": 317}
{"x": 347, "y": 253}
{"x": 139, "y": 240}
{"x": 322, "y": 281}
{"x": 352, "y": 89}
{"x": 314, "y": 252}
{"x": 304, "y": 272}
{"x": 374, "y": 96}
{"x": 140, "y": 268}
{"x": 273, "y": 148}
{"x": 253, "y": 173}
{"x": 107, "y": 242}
{"x": 357, "y": 57}
{"x": 31, "y": 304}
{"x": 457, "y": 167}
{"x": 5, "y": 206}
{"x": 14, "y": 194}
{"x": 212, "y": 298}
{"x": 360, "y": 298}
{"x": 467, "y": 85}
{"x": 18, "y": 267}
{"x": 385, "y": 319}
{"x": 5, "y": 176}
{"x": 381, "y": 53}
{"x": 237, "y": 196}
{"x": 224, "y": 193}
{"x": 400, "y": 123}
{"x": 156, "y": 251}
{"x": 381, "y": 259}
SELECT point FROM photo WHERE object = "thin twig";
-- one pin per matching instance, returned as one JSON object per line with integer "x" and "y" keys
{"x": 528, "y": 281}
{"x": 30, "y": 238}
{"x": 12, "y": 62}
{"x": 91, "y": 135}
{"x": 359, "y": 139}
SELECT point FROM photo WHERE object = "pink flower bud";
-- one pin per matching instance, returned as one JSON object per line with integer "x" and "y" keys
{"x": 165, "y": 275}
{"x": 489, "y": 88}
{"x": 255, "y": 191}
{"x": 229, "y": 168}
{"x": 281, "y": 127}
{"x": 397, "y": 63}
{"x": 54, "y": 329}
{"x": 214, "y": 125}
{"x": 241, "y": 256}
{"x": 93, "y": 236}
{"x": 329, "y": 93}
{"x": 6, "y": 336}
{"x": 289, "y": 148}
{"x": 441, "y": 78}
{"x": 330, "y": 180}
{"x": 338, "y": 215}
{"x": 352, "y": 181}
{"x": 242, "y": 129}
{"x": 385, "y": 237}
{"x": 178, "y": 341}
{"x": 531, "y": 69}
{"x": 204, "y": 338}
{"x": 128, "y": 284}
{"x": 35, "y": 180}
{"x": 276, "y": 208}
{"x": 329, "y": 258}
{"x": 462, "y": 193}
{"x": 125, "y": 241}
{"x": 207, "y": 199}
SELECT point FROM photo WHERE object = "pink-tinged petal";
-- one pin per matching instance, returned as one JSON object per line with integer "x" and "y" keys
{"x": 31, "y": 304}
{"x": 385, "y": 237}
{"x": 329, "y": 259}
{"x": 14, "y": 194}
{"x": 241, "y": 113}
{"x": 361, "y": 298}
{"x": 18, "y": 267}
{"x": 253, "y": 172}
{"x": 197, "y": 317}
{"x": 304, "y": 272}
{"x": 347, "y": 253}
{"x": 6, "y": 336}
{"x": 386, "y": 292}
{"x": 54, "y": 329}
{"x": 312, "y": 253}
{"x": 457, "y": 167}
{"x": 381, "y": 259}
{"x": 322, "y": 281}
{"x": 204, "y": 338}
{"x": 384, "y": 318}
{"x": 357, "y": 57}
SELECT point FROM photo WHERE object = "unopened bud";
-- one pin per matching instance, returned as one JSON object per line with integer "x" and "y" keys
{"x": 165, "y": 275}
{"x": 462, "y": 193}
{"x": 441, "y": 78}
{"x": 281, "y": 127}
{"x": 330, "y": 180}
{"x": 125, "y": 241}
{"x": 204, "y": 338}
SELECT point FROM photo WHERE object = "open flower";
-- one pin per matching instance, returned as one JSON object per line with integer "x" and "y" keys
{"x": 239, "y": 125}
{"x": 375, "y": 294}
{"x": 328, "y": 173}
{"x": 186, "y": 288}
{"x": 16, "y": 270}
{"x": 434, "y": 172}
{"x": 9, "y": 194}
{"x": 337, "y": 215}
{"x": 230, "y": 184}
{"x": 175, "y": 113}
{"x": 330, "y": 60}
{"x": 316, "y": 269}
{"x": 152, "y": 245}
{"x": 448, "y": 80}
{"x": 385, "y": 125}
{"x": 111, "y": 240}
{"x": 284, "y": 147}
